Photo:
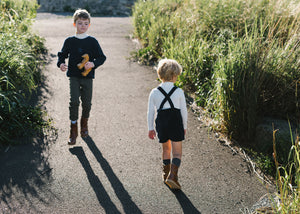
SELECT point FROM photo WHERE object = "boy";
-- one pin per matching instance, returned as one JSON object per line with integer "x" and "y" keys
{"x": 171, "y": 120}
{"x": 78, "y": 48}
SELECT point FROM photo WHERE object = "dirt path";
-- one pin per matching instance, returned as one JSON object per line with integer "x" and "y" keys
{"x": 117, "y": 169}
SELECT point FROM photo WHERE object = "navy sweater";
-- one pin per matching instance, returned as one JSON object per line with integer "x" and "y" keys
{"x": 74, "y": 48}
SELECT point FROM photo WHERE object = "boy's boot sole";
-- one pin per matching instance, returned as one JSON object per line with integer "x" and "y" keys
{"x": 172, "y": 184}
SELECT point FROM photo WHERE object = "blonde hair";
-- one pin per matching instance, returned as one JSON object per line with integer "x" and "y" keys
{"x": 81, "y": 14}
{"x": 167, "y": 69}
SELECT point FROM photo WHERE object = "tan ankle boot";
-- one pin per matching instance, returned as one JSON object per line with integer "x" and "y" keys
{"x": 166, "y": 171}
{"x": 172, "y": 179}
{"x": 73, "y": 134}
{"x": 84, "y": 127}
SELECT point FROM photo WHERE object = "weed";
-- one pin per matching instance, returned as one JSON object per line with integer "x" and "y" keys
{"x": 20, "y": 62}
{"x": 288, "y": 180}
{"x": 240, "y": 58}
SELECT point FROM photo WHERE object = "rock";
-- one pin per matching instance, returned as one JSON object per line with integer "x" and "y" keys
{"x": 264, "y": 136}
{"x": 101, "y": 7}
{"x": 266, "y": 204}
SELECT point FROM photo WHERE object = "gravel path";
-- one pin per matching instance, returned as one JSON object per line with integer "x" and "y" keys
{"x": 117, "y": 169}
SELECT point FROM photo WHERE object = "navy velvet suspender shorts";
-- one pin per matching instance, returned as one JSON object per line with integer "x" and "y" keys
{"x": 169, "y": 125}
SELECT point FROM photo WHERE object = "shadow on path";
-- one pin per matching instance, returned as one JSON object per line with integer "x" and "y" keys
{"x": 128, "y": 205}
{"x": 186, "y": 204}
{"x": 95, "y": 182}
{"x": 24, "y": 174}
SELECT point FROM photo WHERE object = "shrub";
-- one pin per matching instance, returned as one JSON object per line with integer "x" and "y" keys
{"x": 239, "y": 58}
{"x": 288, "y": 180}
{"x": 20, "y": 61}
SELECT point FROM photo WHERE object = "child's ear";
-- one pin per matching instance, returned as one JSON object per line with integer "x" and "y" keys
{"x": 74, "y": 24}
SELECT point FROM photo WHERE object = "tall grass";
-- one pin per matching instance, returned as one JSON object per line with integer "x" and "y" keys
{"x": 241, "y": 61}
{"x": 288, "y": 180}
{"x": 20, "y": 63}
{"x": 240, "y": 58}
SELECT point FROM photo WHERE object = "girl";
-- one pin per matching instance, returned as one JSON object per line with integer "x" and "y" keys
{"x": 169, "y": 103}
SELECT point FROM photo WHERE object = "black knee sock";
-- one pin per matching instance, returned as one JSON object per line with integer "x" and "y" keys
{"x": 166, "y": 162}
{"x": 176, "y": 161}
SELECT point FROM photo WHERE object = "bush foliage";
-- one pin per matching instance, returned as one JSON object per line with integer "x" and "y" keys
{"x": 241, "y": 62}
{"x": 241, "y": 59}
{"x": 20, "y": 62}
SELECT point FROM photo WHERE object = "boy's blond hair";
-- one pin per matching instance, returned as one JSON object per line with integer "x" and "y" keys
{"x": 81, "y": 14}
{"x": 167, "y": 69}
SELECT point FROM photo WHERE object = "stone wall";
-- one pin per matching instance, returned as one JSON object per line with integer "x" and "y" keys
{"x": 99, "y": 7}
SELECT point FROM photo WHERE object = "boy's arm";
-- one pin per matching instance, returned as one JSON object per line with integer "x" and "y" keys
{"x": 99, "y": 56}
{"x": 63, "y": 67}
{"x": 63, "y": 54}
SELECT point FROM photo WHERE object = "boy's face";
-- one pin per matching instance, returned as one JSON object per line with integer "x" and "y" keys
{"x": 82, "y": 25}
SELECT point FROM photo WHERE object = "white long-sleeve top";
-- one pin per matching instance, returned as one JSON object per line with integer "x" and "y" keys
{"x": 156, "y": 97}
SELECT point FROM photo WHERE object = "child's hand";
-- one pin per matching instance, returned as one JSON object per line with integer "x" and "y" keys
{"x": 89, "y": 65}
{"x": 184, "y": 131}
{"x": 151, "y": 134}
{"x": 63, "y": 67}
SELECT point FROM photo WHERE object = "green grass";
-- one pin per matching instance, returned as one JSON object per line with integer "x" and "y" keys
{"x": 21, "y": 59}
{"x": 240, "y": 58}
{"x": 288, "y": 180}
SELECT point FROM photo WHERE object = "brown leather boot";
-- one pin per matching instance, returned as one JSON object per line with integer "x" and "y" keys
{"x": 166, "y": 171}
{"x": 84, "y": 127}
{"x": 172, "y": 179}
{"x": 73, "y": 134}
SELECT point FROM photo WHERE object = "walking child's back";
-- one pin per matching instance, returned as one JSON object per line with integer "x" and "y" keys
{"x": 168, "y": 103}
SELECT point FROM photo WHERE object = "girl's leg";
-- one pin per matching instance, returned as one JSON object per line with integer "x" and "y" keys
{"x": 176, "y": 153}
{"x": 172, "y": 179}
{"x": 167, "y": 148}
{"x": 166, "y": 156}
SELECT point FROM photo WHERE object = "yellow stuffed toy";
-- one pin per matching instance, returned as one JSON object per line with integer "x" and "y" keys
{"x": 83, "y": 62}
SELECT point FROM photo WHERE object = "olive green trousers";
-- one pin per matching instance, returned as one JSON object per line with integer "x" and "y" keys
{"x": 80, "y": 88}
